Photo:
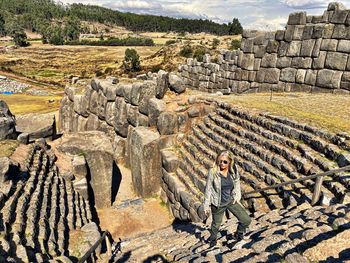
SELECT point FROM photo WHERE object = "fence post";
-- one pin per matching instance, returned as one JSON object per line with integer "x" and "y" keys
{"x": 317, "y": 190}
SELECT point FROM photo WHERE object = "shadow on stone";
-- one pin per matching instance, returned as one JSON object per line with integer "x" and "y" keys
{"x": 91, "y": 195}
{"x": 116, "y": 180}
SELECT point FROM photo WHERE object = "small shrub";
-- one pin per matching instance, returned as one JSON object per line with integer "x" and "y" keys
{"x": 199, "y": 53}
{"x": 216, "y": 43}
{"x": 156, "y": 68}
{"x": 131, "y": 60}
{"x": 235, "y": 44}
{"x": 186, "y": 52}
{"x": 169, "y": 42}
{"x": 98, "y": 73}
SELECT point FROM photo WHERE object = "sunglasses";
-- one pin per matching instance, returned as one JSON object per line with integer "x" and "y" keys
{"x": 223, "y": 161}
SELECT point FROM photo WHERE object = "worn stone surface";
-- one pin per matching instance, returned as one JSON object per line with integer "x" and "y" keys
{"x": 98, "y": 153}
{"x": 176, "y": 83}
{"x": 7, "y": 122}
{"x": 145, "y": 160}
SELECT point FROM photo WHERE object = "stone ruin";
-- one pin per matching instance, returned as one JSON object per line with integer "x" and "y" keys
{"x": 169, "y": 141}
{"x": 310, "y": 55}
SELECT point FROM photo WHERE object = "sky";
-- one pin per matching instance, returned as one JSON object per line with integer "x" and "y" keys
{"x": 253, "y": 14}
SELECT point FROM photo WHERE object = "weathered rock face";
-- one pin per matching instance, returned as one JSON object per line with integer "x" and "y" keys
{"x": 145, "y": 161}
{"x": 7, "y": 122}
{"x": 311, "y": 54}
{"x": 8, "y": 169}
{"x": 97, "y": 150}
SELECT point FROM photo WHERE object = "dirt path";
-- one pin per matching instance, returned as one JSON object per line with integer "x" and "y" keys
{"x": 143, "y": 216}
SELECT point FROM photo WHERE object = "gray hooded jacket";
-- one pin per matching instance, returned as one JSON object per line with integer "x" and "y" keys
{"x": 212, "y": 193}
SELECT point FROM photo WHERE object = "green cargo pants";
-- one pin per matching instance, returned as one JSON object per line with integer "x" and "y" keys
{"x": 237, "y": 210}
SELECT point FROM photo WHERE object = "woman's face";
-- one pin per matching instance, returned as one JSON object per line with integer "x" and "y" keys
{"x": 224, "y": 162}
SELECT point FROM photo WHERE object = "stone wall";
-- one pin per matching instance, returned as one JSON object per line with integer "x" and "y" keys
{"x": 136, "y": 119}
{"x": 310, "y": 55}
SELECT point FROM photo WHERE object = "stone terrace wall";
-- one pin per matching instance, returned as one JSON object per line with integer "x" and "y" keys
{"x": 136, "y": 119}
{"x": 310, "y": 55}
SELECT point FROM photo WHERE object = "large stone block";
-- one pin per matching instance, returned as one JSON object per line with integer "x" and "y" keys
{"x": 101, "y": 104}
{"x": 336, "y": 60}
{"x": 111, "y": 112}
{"x": 82, "y": 124}
{"x": 8, "y": 169}
{"x": 307, "y": 33}
{"x": 328, "y": 31}
{"x": 176, "y": 83}
{"x": 310, "y": 77}
{"x": 162, "y": 84}
{"x": 147, "y": 92}
{"x": 328, "y": 78}
{"x": 294, "y": 49}
{"x": 307, "y": 46}
{"x": 340, "y": 32}
{"x": 268, "y": 75}
{"x": 167, "y": 123}
{"x": 120, "y": 122}
{"x": 80, "y": 105}
{"x": 66, "y": 114}
{"x": 156, "y": 107}
{"x": 132, "y": 113}
{"x": 248, "y": 61}
{"x": 110, "y": 91}
{"x": 318, "y": 62}
{"x": 92, "y": 123}
{"x": 300, "y": 62}
{"x": 329, "y": 45}
{"x": 145, "y": 160}
{"x": 272, "y": 46}
{"x": 93, "y": 103}
{"x": 297, "y": 18}
{"x": 247, "y": 45}
{"x": 288, "y": 74}
{"x": 269, "y": 61}
{"x": 8, "y": 122}
{"x": 344, "y": 46}
{"x": 317, "y": 48}
{"x": 98, "y": 153}
{"x": 284, "y": 62}
{"x": 300, "y": 76}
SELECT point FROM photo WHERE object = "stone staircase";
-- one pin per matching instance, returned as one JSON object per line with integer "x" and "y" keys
{"x": 269, "y": 150}
{"x": 38, "y": 209}
{"x": 285, "y": 235}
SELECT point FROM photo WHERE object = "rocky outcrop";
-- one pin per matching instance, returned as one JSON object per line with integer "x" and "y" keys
{"x": 7, "y": 122}
{"x": 310, "y": 55}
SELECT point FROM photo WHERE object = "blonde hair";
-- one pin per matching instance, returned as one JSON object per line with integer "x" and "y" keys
{"x": 216, "y": 164}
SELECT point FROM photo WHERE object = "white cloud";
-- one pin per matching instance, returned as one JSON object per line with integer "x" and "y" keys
{"x": 260, "y": 14}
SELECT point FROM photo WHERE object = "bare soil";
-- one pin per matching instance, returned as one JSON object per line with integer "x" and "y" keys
{"x": 133, "y": 220}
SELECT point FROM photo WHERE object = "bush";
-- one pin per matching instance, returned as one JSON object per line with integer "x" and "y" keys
{"x": 130, "y": 41}
{"x": 215, "y": 43}
{"x": 199, "y": 53}
{"x": 20, "y": 38}
{"x": 169, "y": 42}
{"x": 156, "y": 68}
{"x": 235, "y": 44}
{"x": 186, "y": 52}
{"x": 131, "y": 60}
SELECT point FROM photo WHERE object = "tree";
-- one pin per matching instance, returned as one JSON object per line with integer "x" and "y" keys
{"x": 71, "y": 28}
{"x": 20, "y": 38}
{"x": 55, "y": 35}
{"x": 235, "y": 28}
{"x": 2, "y": 26}
{"x": 131, "y": 60}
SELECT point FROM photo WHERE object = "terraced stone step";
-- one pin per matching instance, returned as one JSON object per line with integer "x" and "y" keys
{"x": 280, "y": 235}
{"x": 330, "y": 150}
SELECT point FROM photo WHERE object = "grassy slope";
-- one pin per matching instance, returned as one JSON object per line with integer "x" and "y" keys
{"x": 328, "y": 111}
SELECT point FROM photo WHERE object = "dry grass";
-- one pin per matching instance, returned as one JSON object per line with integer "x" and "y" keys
{"x": 328, "y": 111}
{"x": 23, "y": 104}
{"x": 55, "y": 64}
{"x": 7, "y": 147}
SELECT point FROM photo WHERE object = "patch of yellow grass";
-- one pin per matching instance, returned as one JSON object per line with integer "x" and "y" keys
{"x": 23, "y": 103}
{"x": 328, "y": 111}
{"x": 7, "y": 147}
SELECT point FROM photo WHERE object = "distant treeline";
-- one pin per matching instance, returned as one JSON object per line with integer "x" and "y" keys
{"x": 47, "y": 17}
{"x": 130, "y": 41}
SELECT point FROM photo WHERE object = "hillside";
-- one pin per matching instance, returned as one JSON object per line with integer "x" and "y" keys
{"x": 38, "y": 16}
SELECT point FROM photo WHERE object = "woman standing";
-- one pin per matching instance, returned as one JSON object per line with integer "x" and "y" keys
{"x": 223, "y": 192}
